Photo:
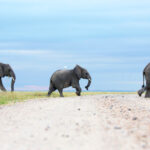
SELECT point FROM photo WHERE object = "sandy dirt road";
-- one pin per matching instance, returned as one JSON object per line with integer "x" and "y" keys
{"x": 100, "y": 122}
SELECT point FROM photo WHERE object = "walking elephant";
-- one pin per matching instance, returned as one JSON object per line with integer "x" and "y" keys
{"x": 64, "y": 78}
{"x": 146, "y": 75}
{"x": 6, "y": 70}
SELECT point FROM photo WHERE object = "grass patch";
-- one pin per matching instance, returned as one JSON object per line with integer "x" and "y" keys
{"x": 13, "y": 97}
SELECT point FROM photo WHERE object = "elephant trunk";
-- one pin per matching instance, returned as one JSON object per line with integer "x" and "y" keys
{"x": 89, "y": 83}
{"x": 141, "y": 91}
{"x": 13, "y": 82}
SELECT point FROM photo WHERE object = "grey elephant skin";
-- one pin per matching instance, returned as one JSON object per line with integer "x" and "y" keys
{"x": 7, "y": 71}
{"x": 146, "y": 75}
{"x": 64, "y": 78}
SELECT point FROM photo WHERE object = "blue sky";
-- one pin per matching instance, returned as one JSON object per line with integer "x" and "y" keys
{"x": 110, "y": 38}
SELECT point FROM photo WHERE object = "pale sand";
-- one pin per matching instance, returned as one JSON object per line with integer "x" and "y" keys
{"x": 100, "y": 122}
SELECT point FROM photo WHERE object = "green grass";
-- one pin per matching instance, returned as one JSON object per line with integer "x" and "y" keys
{"x": 13, "y": 97}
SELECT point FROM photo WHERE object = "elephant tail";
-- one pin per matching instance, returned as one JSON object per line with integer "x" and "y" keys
{"x": 143, "y": 79}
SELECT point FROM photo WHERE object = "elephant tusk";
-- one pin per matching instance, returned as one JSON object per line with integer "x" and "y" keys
{"x": 89, "y": 79}
{"x": 13, "y": 79}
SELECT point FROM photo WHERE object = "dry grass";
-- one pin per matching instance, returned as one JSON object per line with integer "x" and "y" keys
{"x": 9, "y": 97}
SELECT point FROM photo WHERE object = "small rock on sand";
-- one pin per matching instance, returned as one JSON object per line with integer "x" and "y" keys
{"x": 134, "y": 118}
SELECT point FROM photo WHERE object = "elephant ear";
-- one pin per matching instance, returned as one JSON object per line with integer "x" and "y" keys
{"x": 77, "y": 71}
{"x": 1, "y": 71}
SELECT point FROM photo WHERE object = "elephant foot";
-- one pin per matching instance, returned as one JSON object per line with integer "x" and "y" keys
{"x": 147, "y": 95}
{"x": 140, "y": 94}
{"x": 48, "y": 94}
{"x": 78, "y": 93}
{"x": 4, "y": 90}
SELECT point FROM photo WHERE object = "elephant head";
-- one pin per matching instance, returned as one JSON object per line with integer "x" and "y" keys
{"x": 6, "y": 70}
{"x": 82, "y": 73}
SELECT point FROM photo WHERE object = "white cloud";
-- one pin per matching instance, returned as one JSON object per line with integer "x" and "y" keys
{"x": 40, "y": 53}
{"x": 65, "y": 67}
{"x": 32, "y": 88}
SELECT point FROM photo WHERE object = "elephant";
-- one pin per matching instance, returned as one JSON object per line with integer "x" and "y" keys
{"x": 65, "y": 78}
{"x": 6, "y": 70}
{"x": 146, "y": 75}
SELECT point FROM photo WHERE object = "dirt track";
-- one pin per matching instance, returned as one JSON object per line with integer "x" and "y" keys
{"x": 100, "y": 122}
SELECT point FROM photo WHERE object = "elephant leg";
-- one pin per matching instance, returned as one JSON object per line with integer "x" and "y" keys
{"x": 51, "y": 89}
{"x": 61, "y": 92}
{"x": 78, "y": 88}
{"x": 1, "y": 85}
{"x": 147, "y": 95}
{"x": 78, "y": 91}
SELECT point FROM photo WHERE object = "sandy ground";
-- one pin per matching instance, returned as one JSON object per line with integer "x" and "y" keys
{"x": 100, "y": 122}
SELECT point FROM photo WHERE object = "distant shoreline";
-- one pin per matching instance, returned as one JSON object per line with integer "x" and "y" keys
{"x": 74, "y": 91}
